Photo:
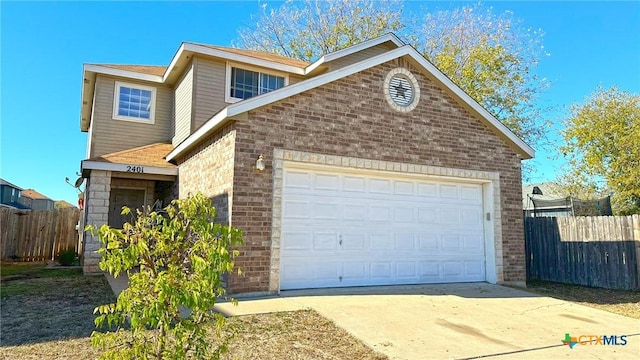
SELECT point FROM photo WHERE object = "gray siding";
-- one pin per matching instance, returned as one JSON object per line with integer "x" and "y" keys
{"x": 359, "y": 56}
{"x": 183, "y": 102}
{"x": 110, "y": 135}
{"x": 209, "y": 87}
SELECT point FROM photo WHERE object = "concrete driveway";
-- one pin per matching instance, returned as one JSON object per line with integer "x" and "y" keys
{"x": 459, "y": 321}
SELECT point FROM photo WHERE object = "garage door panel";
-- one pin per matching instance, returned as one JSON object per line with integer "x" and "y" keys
{"x": 429, "y": 190}
{"x": 367, "y": 229}
{"x": 297, "y": 179}
{"x": 296, "y": 240}
{"x": 380, "y": 213}
{"x": 380, "y": 186}
{"x": 354, "y": 184}
{"x": 355, "y": 271}
{"x": 404, "y": 241}
{"x": 296, "y": 210}
{"x": 404, "y": 188}
{"x": 325, "y": 241}
{"x": 404, "y": 214}
{"x": 354, "y": 241}
{"x": 381, "y": 270}
{"x": 326, "y": 182}
{"x": 381, "y": 241}
{"x": 355, "y": 212}
{"x": 407, "y": 270}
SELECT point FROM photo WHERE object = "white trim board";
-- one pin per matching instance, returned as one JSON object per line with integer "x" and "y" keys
{"x": 122, "y": 73}
{"x": 99, "y": 165}
{"x": 354, "y": 49}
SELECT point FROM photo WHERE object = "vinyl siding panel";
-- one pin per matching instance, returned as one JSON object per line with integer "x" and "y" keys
{"x": 359, "y": 56}
{"x": 183, "y": 105}
{"x": 295, "y": 78}
{"x": 110, "y": 135}
{"x": 209, "y": 87}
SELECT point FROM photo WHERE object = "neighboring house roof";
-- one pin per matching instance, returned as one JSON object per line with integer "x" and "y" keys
{"x": 5, "y": 182}
{"x": 62, "y": 204}
{"x": 156, "y": 70}
{"x": 30, "y": 193}
{"x": 151, "y": 156}
{"x": 222, "y": 117}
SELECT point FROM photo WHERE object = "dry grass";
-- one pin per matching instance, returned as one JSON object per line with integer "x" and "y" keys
{"x": 47, "y": 314}
{"x": 621, "y": 302}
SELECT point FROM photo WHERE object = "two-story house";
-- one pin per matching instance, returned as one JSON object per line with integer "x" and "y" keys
{"x": 10, "y": 196}
{"x": 365, "y": 167}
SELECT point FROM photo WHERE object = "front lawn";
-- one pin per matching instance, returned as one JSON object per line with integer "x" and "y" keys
{"x": 48, "y": 314}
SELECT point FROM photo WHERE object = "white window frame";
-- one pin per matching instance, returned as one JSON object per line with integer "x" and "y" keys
{"x": 116, "y": 103}
{"x": 227, "y": 86}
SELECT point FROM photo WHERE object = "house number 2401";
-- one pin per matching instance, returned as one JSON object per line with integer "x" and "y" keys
{"x": 135, "y": 169}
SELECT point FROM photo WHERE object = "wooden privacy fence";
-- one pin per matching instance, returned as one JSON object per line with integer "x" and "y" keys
{"x": 598, "y": 251}
{"x": 37, "y": 235}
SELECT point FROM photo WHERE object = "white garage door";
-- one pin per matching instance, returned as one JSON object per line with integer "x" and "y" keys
{"x": 353, "y": 229}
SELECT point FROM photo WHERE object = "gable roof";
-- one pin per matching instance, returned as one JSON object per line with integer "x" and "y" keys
{"x": 32, "y": 194}
{"x": 523, "y": 149}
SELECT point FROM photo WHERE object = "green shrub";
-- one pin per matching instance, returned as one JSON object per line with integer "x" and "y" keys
{"x": 175, "y": 261}
{"x": 67, "y": 257}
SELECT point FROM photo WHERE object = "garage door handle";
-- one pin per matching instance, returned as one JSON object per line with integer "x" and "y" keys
{"x": 340, "y": 239}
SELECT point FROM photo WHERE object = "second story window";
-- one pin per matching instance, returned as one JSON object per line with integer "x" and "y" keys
{"x": 246, "y": 83}
{"x": 134, "y": 102}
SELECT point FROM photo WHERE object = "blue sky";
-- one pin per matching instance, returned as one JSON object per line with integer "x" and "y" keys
{"x": 44, "y": 44}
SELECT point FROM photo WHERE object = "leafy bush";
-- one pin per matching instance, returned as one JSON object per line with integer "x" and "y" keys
{"x": 67, "y": 257}
{"x": 175, "y": 261}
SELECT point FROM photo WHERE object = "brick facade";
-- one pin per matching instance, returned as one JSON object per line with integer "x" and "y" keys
{"x": 350, "y": 117}
{"x": 209, "y": 169}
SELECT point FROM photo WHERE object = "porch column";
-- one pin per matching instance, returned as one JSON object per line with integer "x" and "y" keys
{"x": 97, "y": 209}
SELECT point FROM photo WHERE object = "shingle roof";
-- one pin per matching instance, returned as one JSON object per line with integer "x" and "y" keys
{"x": 30, "y": 193}
{"x": 260, "y": 55}
{"x": 148, "y": 155}
{"x": 143, "y": 69}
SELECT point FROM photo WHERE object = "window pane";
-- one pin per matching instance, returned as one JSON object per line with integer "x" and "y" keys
{"x": 134, "y": 102}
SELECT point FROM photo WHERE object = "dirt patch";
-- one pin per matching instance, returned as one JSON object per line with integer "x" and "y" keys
{"x": 51, "y": 317}
{"x": 621, "y": 302}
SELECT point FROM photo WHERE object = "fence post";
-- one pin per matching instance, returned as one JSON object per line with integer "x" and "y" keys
{"x": 635, "y": 236}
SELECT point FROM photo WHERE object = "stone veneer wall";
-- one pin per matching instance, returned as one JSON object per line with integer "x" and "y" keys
{"x": 97, "y": 214}
{"x": 350, "y": 117}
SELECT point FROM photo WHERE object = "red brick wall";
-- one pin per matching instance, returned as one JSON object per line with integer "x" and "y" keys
{"x": 209, "y": 169}
{"x": 351, "y": 117}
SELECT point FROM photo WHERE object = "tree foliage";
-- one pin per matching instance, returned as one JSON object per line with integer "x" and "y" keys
{"x": 602, "y": 138}
{"x": 309, "y": 29}
{"x": 175, "y": 262}
{"x": 492, "y": 57}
